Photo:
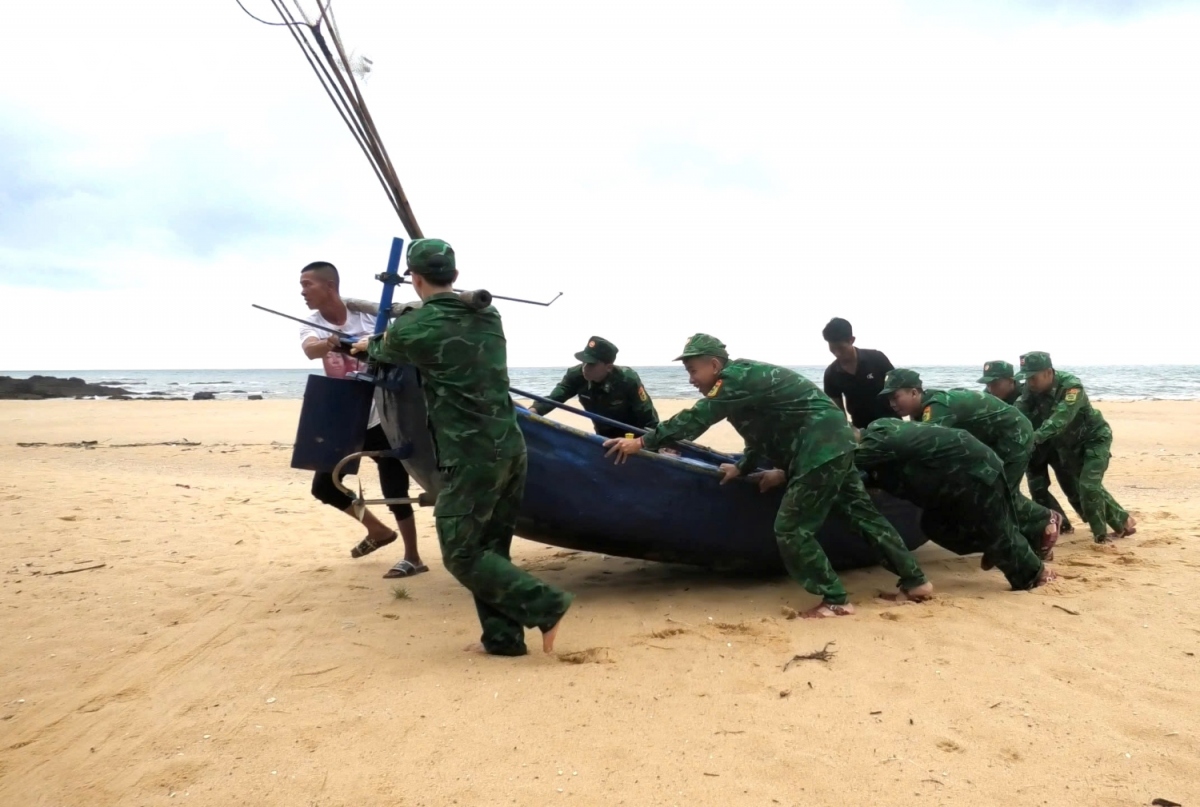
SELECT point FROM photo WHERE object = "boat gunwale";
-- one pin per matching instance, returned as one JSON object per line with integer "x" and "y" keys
{"x": 686, "y": 464}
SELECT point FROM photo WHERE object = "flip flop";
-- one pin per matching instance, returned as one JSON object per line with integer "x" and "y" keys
{"x": 404, "y": 568}
{"x": 368, "y": 545}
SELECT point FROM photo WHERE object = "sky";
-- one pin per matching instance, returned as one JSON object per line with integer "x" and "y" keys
{"x": 964, "y": 181}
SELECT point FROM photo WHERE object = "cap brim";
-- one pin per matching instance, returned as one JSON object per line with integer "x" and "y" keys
{"x": 987, "y": 379}
{"x": 586, "y": 357}
{"x": 888, "y": 391}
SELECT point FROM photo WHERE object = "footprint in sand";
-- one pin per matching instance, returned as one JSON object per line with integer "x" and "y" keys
{"x": 667, "y": 633}
{"x": 950, "y": 747}
{"x": 593, "y": 655}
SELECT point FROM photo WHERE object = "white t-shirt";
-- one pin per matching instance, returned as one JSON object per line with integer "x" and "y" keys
{"x": 339, "y": 365}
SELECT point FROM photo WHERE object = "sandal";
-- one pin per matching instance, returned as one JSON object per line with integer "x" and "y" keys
{"x": 368, "y": 545}
{"x": 404, "y": 568}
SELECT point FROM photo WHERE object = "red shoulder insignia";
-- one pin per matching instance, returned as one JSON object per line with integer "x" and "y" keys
{"x": 642, "y": 396}
{"x": 712, "y": 393}
{"x": 1072, "y": 395}
{"x": 927, "y": 415}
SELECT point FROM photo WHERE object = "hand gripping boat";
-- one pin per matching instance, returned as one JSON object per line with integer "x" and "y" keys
{"x": 654, "y": 507}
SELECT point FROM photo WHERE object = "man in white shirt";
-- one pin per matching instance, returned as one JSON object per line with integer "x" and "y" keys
{"x": 319, "y": 284}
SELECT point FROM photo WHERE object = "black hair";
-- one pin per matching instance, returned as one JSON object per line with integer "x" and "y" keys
{"x": 326, "y": 270}
{"x": 838, "y": 330}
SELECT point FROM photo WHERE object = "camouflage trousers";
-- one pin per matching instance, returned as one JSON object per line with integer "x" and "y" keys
{"x": 1088, "y": 462}
{"x": 1044, "y": 458}
{"x": 835, "y": 486}
{"x": 1032, "y": 518}
{"x": 476, "y": 513}
{"x": 970, "y": 516}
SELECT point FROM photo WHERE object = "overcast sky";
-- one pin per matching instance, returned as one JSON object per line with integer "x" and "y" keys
{"x": 963, "y": 181}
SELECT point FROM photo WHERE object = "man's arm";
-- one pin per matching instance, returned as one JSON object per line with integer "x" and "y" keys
{"x": 1064, "y": 412}
{"x": 872, "y": 449}
{"x": 691, "y": 423}
{"x": 572, "y": 382}
{"x": 316, "y": 347}
{"x": 395, "y": 345}
{"x": 831, "y": 388}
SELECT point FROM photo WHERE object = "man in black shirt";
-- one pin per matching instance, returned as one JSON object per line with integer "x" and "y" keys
{"x": 855, "y": 378}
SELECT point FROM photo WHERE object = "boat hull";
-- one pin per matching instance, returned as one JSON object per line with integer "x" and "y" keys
{"x": 654, "y": 507}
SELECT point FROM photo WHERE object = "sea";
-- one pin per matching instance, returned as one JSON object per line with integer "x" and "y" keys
{"x": 1156, "y": 382}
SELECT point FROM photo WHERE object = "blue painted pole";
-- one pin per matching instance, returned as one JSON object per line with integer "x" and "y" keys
{"x": 390, "y": 279}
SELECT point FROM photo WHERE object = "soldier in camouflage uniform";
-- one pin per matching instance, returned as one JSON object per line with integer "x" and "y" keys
{"x": 1084, "y": 440}
{"x": 994, "y": 423}
{"x": 604, "y": 389}
{"x": 959, "y": 484}
{"x": 787, "y": 421}
{"x": 461, "y": 355}
{"x": 1001, "y": 381}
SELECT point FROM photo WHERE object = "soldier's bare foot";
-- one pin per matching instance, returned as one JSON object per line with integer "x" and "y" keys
{"x": 825, "y": 610}
{"x": 548, "y": 636}
{"x": 1050, "y": 536}
{"x": 921, "y": 593}
{"x": 474, "y": 647}
{"x": 1130, "y": 527}
{"x": 1047, "y": 575}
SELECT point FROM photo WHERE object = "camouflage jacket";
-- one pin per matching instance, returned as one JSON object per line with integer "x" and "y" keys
{"x": 921, "y": 462}
{"x": 620, "y": 397}
{"x": 462, "y": 356}
{"x": 985, "y": 417}
{"x": 784, "y": 418}
{"x": 1064, "y": 413}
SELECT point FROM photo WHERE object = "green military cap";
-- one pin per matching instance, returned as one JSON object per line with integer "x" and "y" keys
{"x": 598, "y": 350}
{"x": 702, "y": 344}
{"x": 996, "y": 370}
{"x": 432, "y": 258}
{"x": 1035, "y": 362}
{"x": 900, "y": 379}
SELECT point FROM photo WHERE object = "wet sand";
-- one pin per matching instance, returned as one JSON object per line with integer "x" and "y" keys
{"x": 230, "y": 652}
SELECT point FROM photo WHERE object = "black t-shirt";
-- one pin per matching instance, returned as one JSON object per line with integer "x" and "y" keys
{"x": 861, "y": 390}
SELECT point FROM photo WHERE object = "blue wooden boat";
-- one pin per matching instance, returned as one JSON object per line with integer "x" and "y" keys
{"x": 654, "y": 507}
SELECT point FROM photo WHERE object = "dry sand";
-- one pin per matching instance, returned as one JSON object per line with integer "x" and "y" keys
{"x": 230, "y": 652}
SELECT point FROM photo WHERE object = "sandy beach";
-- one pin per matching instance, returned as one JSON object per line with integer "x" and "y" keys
{"x": 230, "y": 652}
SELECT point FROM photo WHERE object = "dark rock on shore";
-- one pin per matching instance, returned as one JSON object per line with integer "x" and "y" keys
{"x": 39, "y": 387}
{"x": 254, "y": 397}
{"x": 204, "y": 396}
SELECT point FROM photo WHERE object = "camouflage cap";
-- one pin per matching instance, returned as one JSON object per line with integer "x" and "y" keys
{"x": 996, "y": 370}
{"x": 1035, "y": 362}
{"x": 598, "y": 351}
{"x": 432, "y": 258}
{"x": 900, "y": 379}
{"x": 702, "y": 344}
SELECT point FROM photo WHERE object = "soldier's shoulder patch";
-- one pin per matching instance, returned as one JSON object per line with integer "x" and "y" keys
{"x": 927, "y": 415}
{"x": 712, "y": 393}
{"x": 642, "y": 396}
{"x": 1073, "y": 394}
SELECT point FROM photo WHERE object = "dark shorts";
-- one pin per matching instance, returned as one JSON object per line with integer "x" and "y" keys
{"x": 393, "y": 479}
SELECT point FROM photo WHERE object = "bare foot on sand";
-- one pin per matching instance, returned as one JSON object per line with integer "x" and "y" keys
{"x": 475, "y": 647}
{"x": 1050, "y": 536}
{"x": 1047, "y": 575}
{"x": 1130, "y": 527}
{"x": 825, "y": 610}
{"x": 921, "y": 593}
{"x": 548, "y": 636}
